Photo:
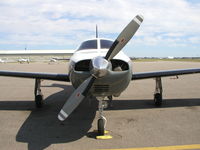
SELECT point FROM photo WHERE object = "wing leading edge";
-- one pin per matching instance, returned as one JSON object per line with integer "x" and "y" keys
{"x": 36, "y": 75}
{"x": 146, "y": 75}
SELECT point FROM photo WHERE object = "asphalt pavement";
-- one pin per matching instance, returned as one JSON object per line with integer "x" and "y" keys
{"x": 134, "y": 121}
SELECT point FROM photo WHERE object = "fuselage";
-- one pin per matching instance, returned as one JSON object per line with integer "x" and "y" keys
{"x": 119, "y": 73}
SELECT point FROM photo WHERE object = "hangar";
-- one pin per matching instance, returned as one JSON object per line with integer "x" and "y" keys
{"x": 34, "y": 55}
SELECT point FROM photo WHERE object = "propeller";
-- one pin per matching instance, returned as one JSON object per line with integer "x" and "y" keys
{"x": 74, "y": 100}
{"x": 99, "y": 68}
{"x": 124, "y": 37}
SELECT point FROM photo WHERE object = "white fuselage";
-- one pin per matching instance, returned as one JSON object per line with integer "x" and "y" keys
{"x": 114, "y": 83}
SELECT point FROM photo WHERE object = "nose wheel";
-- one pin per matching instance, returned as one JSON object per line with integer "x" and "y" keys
{"x": 101, "y": 124}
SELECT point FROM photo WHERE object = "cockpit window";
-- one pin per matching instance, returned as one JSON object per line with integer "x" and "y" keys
{"x": 106, "y": 44}
{"x": 91, "y": 44}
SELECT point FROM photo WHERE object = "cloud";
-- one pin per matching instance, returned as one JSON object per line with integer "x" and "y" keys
{"x": 56, "y": 22}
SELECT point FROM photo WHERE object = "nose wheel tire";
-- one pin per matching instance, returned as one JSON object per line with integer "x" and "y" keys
{"x": 158, "y": 99}
{"x": 101, "y": 125}
{"x": 39, "y": 101}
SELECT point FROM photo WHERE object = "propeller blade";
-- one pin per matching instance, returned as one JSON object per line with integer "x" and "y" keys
{"x": 74, "y": 100}
{"x": 124, "y": 37}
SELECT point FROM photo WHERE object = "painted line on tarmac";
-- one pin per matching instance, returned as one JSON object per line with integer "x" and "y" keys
{"x": 180, "y": 147}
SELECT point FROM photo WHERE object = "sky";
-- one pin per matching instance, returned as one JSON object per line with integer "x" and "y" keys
{"x": 170, "y": 27}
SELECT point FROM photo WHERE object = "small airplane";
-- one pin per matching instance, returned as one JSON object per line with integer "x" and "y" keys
{"x": 53, "y": 60}
{"x": 100, "y": 69}
{"x": 2, "y": 61}
{"x": 23, "y": 60}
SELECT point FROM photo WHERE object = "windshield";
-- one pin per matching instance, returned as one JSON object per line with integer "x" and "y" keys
{"x": 106, "y": 44}
{"x": 91, "y": 44}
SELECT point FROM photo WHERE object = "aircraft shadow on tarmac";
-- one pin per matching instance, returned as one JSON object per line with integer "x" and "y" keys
{"x": 42, "y": 128}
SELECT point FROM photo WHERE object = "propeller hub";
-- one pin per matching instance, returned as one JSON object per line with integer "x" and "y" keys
{"x": 100, "y": 67}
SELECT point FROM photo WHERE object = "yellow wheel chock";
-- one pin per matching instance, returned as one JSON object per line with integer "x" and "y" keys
{"x": 103, "y": 137}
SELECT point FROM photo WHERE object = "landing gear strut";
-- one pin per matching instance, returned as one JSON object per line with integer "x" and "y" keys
{"x": 110, "y": 98}
{"x": 38, "y": 94}
{"x": 158, "y": 92}
{"x": 102, "y": 120}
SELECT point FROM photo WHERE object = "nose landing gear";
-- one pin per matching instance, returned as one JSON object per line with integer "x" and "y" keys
{"x": 101, "y": 124}
{"x": 102, "y": 120}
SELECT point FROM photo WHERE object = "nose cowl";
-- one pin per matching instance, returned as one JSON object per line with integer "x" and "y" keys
{"x": 99, "y": 67}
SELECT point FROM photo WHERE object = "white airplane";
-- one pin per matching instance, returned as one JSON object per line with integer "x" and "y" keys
{"x": 53, "y": 60}
{"x": 23, "y": 60}
{"x": 2, "y": 61}
{"x": 99, "y": 68}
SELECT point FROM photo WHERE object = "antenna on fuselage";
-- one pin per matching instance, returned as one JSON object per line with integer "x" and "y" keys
{"x": 25, "y": 47}
{"x": 96, "y": 31}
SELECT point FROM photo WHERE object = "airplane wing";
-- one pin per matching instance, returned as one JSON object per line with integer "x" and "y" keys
{"x": 146, "y": 75}
{"x": 36, "y": 75}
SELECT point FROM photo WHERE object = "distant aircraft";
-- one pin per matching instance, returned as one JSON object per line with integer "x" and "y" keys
{"x": 53, "y": 60}
{"x": 2, "y": 61}
{"x": 99, "y": 68}
{"x": 23, "y": 60}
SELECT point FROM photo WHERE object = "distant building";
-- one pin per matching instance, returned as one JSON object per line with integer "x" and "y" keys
{"x": 34, "y": 55}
